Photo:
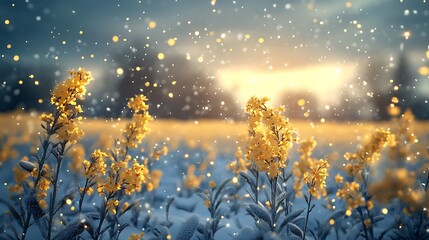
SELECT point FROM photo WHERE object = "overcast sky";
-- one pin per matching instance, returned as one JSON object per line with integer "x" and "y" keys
{"x": 244, "y": 35}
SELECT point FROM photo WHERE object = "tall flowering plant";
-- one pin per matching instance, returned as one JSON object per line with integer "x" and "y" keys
{"x": 61, "y": 130}
{"x": 355, "y": 190}
{"x": 269, "y": 141}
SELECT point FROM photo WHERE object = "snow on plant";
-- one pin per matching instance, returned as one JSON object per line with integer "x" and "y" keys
{"x": 114, "y": 182}
{"x": 355, "y": 190}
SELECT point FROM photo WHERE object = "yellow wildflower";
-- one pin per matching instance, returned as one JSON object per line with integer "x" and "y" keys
{"x": 42, "y": 191}
{"x": 404, "y": 137}
{"x": 397, "y": 183}
{"x": 77, "y": 155}
{"x": 316, "y": 177}
{"x": 136, "y": 236}
{"x": 153, "y": 181}
{"x": 191, "y": 181}
{"x": 65, "y": 98}
{"x": 125, "y": 206}
{"x": 97, "y": 166}
{"x": 212, "y": 184}
{"x": 162, "y": 152}
{"x": 367, "y": 222}
{"x": 207, "y": 203}
{"x": 270, "y": 137}
{"x": 66, "y": 95}
{"x": 351, "y": 194}
{"x": 369, "y": 152}
{"x": 239, "y": 164}
{"x": 339, "y": 178}
{"x": 112, "y": 205}
{"x": 140, "y": 174}
{"x": 46, "y": 117}
{"x": 20, "y": 177}
{"x": 304, "y": 164}
{"x": 136, "y": 130}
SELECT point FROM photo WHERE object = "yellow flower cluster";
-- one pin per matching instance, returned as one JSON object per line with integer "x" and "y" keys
{"x": 69, "y": 130}
{"x": 154, "y": 179}
{"x": 7, "y": 150}
{"x": 369, "y": 152}
{"x": 303, "y": 166}
{"x": 20, "y": 177}
{"x": 404, "y": 136}
{"x": 397, "y": 183}
{"x": 316, "y": 178}
{"x": 77, "y": 155}
{"x": 192, "y": 181}
{"x": 122, "y": 176}
{"x": 97, "y": 165}
{"x": 136, "y": 236}
{"x": 161, "y": 152}
{"x": 310, "y": 171}
{"x": 65, "y": 97}
{"x": 270, "y": 137}
{"x": 133, "y": 178}
{"x": 352, "y": 195}
{"x": 112, "y": 205}
{"x": 42, "y": 186}
{"x": 136, "y": 130}
{"x": 239, "y": 164}
{"x": 207, "y": 203}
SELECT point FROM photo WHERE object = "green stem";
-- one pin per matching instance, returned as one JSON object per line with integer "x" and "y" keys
{"x": 273, "y": 202}
{"x": 366, "y": 171}
{"x": 307, "y": 215}
{"x": 363, "y": 223}
{"x": 25, "y": 227}
{"x": 82, "y": 195}
{"x": 45, "y": 156}
{"x": 256, "y": 187}
{"x": 100, "y": 224}
{"x": 54, "y": 193}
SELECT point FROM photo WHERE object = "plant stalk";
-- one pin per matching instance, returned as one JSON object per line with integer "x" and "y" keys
{"x": 307, "y": 216}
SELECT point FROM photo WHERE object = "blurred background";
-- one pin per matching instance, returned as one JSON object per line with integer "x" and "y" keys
{"x": 323, "y": 60}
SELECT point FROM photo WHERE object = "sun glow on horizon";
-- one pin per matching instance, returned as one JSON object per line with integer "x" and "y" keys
{"x": 325, "y": 82}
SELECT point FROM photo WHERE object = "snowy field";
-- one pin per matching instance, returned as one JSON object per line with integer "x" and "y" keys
{"x": 209, "y": 146}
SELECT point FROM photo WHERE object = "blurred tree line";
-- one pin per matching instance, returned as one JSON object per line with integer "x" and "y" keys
{"x": 175, "y": 88}
{"x": 178, "y": 89}
{"x": 383, "y": 92}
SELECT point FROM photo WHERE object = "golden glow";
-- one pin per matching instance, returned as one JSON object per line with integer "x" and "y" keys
{"x": 16, "y": 58}
{"x": 171, "y": 42}
{"x": 115, "y": 39}
{"x": 325, "y": 82}
{"x": 424, "y": 71}
{"x": 161, "y": 56}
{"x": 152, "y": 24}
{"x": 406, "y": 35}
{"x": 348, "y": 212}
{"x": 120, "y": 71}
